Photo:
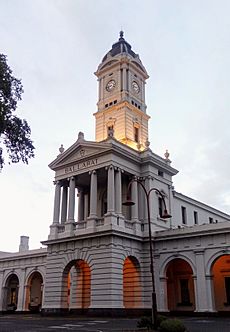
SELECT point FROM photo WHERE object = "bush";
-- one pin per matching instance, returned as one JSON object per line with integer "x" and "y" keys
{"x": 160, "y": 318}
{"x": 172, "y": 325}
{"x": 145, "y": 322}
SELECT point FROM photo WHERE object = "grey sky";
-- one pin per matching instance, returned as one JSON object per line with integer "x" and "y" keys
{"x": 55, "y": 46}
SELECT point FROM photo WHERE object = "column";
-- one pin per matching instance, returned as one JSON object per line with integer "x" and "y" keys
{"x": 57, "y": 198}
{"x": 110, "y": 190}
{"x": 80, "y": 205}
{"x": 162, "y": 304}
{"x": 86, "y": 206}
{"x": 20, "y": 304}
{"x": 118, "y": 192}
{"x": 134, "y": 196}
{"x": 210, "y": 293}
{"x": 200, "y": 283}
{"x": 124, "y": 79}
{"x": 93, "y": 195}
{"x": 71, "y": 199}
{"x": 64, "y": 204}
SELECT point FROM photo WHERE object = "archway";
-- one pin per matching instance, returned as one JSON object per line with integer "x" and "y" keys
{"x": 221, "y": 282}
{"x": 34, "y": 292}
{"x": 132, "y": 297}
{"x": 180, "y": 286}
{"x": 10, "y": 300}
{"x": 76, "y": 285}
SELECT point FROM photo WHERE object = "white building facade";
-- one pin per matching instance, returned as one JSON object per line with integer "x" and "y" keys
{"x": 97, "y": 258}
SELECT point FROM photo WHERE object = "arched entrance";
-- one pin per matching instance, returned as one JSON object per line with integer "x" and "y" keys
{"x": 221, "y": 282}
{"x": 76, "y": 285}
{"x": 131, "y": 283}
{"x": 180, "y": 286}
{"x": 10, "y": 300}
{"x": 34, "y": 292}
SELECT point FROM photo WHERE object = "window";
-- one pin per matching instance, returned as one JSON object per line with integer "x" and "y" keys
{"x": 184, "y": 291}
{"x": 136, "y": 134}
{"x": 210, "y": 220}
{"x": 110, "y": 131}
{"x": 160, "y": 173}
{"x": 227, "y": 289}
{"x": 195, "y": 214}
{"x": 160, "y": 206}
{"x": 184, "y": 215}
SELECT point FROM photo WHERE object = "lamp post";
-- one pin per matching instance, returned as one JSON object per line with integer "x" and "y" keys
{"x": 165, "y": 215}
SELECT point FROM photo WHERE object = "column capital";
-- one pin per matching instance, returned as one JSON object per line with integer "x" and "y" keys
{"x": 92, "y": 172}
{"x": 56, "y": 182}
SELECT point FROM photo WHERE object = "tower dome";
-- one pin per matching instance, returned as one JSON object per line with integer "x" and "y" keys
{"x": 122, "y": 46}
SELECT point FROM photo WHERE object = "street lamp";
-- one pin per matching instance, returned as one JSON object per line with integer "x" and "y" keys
{"x": 165, "y": 215}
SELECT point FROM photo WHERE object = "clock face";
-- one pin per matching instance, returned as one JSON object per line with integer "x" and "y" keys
{"x": 135, "y": 87}
{"x": 110, "y": 85}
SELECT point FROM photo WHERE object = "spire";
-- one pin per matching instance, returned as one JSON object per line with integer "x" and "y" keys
{"x": 121, "y": 35}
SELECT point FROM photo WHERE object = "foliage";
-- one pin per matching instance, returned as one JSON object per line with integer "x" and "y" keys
{"x": 145, "y": 322}
{"x": 172, "y": 325}
{"x": 14, "y": 132}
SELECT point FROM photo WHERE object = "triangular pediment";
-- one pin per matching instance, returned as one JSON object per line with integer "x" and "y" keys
{"x": 79, "y": 151}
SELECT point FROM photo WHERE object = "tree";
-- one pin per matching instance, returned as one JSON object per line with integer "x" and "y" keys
{"x": 14, "y": 132}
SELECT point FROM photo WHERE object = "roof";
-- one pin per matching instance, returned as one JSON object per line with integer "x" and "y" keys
{"x": 120, "y": 47}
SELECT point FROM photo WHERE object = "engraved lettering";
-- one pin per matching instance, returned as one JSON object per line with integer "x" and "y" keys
{"x": 82, "y": 165}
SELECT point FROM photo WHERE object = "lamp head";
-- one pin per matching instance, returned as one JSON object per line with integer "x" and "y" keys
{"x": 166, "y": 215}
{"x": 128, "y": 202}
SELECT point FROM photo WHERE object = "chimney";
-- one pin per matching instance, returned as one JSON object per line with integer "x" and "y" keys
{"x": 24, "y": 243}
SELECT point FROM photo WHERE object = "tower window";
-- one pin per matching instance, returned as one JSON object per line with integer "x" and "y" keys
{"x": 195, "y": 214}
{"x": 184, "y": 215}
{"x": 136, "y": 134}
{"x": 110, "y": 131}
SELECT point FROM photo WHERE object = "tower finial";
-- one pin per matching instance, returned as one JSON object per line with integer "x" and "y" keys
{"x": 121, "y": 34}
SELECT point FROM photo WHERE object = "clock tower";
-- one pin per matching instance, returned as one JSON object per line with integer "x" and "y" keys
{"x": 121, "y": 103}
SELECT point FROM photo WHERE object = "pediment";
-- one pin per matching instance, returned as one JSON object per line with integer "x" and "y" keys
{"x": 78, "y": 152}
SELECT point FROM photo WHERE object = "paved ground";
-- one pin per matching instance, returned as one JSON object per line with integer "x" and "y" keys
{"x": 31, "y": 323}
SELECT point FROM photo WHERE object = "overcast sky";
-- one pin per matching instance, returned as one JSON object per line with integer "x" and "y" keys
{"x": 55, "y": 46}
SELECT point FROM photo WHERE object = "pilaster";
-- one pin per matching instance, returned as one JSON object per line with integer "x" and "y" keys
{"x": 21, "y": 291}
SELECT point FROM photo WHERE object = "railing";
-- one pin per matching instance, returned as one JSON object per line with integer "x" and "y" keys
{"x": 81, "y": 224}
{"x": 99, "y": 222}
{"x": 61, "y": 228}
{"x": 128, "y": 224}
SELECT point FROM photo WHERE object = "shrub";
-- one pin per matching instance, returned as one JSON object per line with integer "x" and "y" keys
{"x": 172, "y": 325}
{"x": 160, "y": 318}
{"x": 145, "y": 322}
